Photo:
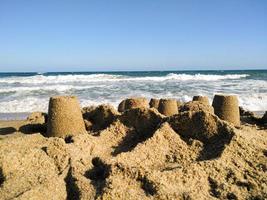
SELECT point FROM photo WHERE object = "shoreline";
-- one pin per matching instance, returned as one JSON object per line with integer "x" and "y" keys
{"x": 23, "y": 115}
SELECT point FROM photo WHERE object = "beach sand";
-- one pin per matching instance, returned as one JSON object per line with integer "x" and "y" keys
{"x": 137, "y": 154}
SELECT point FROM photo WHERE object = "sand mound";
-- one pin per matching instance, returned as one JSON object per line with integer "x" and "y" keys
{"x": 35, "y": 122}
{"x": 164, "y": 147}
{"x": 195, "y": 106}
{"x": 143, "y": 120}
{"x": 199, "y": 125}
{"x": 37, "y": 117}
{"x": 100, "y": 117}
{"x": 28, "y": 171}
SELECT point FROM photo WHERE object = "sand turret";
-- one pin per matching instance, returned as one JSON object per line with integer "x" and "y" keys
{"x": 131, "y": 103}
{"x": 64, "y": 117}
{"x": 226, "y": 107}
{"x": 154, "y": 103}
{"x": 202, "y": 99}
{"x": 168, "y": 107}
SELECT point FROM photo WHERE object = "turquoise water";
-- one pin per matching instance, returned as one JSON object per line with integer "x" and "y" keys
{"x": 27, "y": 92}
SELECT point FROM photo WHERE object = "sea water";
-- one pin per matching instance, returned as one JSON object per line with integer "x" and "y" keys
{"x": 28, "y": 92}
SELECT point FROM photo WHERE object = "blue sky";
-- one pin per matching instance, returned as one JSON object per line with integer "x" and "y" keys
{"x": 44, "y": 35}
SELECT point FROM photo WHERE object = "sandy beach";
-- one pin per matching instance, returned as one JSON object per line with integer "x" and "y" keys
{"x": 133, "y": 100}
{"x": 138, "y": 153}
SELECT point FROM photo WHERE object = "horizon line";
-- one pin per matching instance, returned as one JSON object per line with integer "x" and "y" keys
{"x": 89, "y": 71}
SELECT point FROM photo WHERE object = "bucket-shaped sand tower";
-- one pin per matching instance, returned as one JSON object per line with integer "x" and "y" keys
{"x": 138, "y": 102}
{"x": 226, "y": 107}
{"x": 154, "y": 103}
{"x": 168, "y": 107}
{"x": 202, "y": 99}
{"x": 64, "y": 117}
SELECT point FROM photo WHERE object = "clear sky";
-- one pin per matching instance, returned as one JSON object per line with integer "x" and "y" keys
{"x": 54, "y": 35}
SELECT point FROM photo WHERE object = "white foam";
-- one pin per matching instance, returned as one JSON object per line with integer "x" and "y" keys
{"x": 30, "y": 104}
{"x": 254, "y": 102}
{"x": 41, "y": 79}
{"x": 59, "y": 88}
{"x": 205, "y": 77}
{"x": 28, "y": 94}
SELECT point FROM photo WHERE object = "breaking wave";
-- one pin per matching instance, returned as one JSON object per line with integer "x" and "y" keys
{"x": 42, "y": 79}
{"x": 31, "y": 93}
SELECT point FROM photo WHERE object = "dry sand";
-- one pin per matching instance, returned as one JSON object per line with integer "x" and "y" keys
{"x": 138, "y": 154}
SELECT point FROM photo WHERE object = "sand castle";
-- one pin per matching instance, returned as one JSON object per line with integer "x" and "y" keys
{"x": 137, "y": 154}
{"x": 168, "y": 107}
{"x": 154, "y": 103}
{"x": 64, "y": 117}
{"x": 202, "y": 99}
{"x": 226, "y": 107}
{"x": 131, "y": 103}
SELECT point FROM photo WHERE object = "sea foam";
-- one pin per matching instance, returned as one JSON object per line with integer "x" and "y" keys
{"x": 31, "y": 93}
{"x": 41, "y": 79}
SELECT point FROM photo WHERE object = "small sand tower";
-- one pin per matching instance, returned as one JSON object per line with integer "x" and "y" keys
{"x": 154, "y": 103}
{"x": 139, "y": 102}
{"x": 64, "y": 117}
{"x": 226, "y": 107}
{"x": 168, "y": 107}
{"x": 202, "y": 99}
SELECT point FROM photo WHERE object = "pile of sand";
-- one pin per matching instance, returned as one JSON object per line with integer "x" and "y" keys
{"x": 100, "y": 117}
{"x": 195, "y": 106}
{"x": 139, "y": 154}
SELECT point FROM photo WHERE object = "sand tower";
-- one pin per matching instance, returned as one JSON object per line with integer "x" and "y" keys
{"x": 64, "y": 117}
{"x": 168, "y": 107}
{"x": 226, "y": 107}
{"x": 202, "y": 99}
{"x": 154, "y": 103}
{"x": 139, "y": 102}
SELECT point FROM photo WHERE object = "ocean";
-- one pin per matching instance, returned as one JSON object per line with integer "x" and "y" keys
{"x": 22, "y": 93}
